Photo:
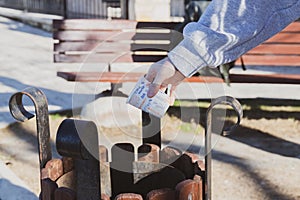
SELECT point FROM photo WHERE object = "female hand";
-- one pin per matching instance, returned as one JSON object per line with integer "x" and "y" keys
{"x": 161, "y": 74}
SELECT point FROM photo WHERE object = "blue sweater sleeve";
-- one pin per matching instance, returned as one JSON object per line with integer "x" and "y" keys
{"x": 228, "y": 29}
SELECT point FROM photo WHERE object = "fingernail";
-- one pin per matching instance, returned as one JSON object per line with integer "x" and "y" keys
{"x": 150, "y": 93}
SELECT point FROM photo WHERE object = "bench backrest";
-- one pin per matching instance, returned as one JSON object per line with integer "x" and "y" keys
{"x": 112, "y": 41}
{"x": 283, "y": 49}
{"x": 124, "y": 41}
{"x": 109, "y": 41}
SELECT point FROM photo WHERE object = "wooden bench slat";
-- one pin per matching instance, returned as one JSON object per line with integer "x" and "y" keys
{"x": 91, "y": 58}
{"x": 282, "y": 37}
{"x": 284, "y": 49}
{"x": 107, "y": 58}
{"x": 103, "y": 24}
{"x": 109, "y": 47}
{"x": 127, "y": 57}
{"x": 93, "y": 24}
{"x": 114, "y": 35}
{"x": 265, "y": 78}
{"x": 270, "y": 60}
{"x": 79, "y": 46}
{"x": 81, "y": 35}
{"x": 293, "y": 27}
{"x": 119, "y": 77}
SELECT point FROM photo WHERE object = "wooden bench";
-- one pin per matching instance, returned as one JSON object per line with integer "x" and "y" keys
{"x": 123, "y": 41}
{"x": 280, "y": 51}
{"x": 114, "y": 42}
{"x": 118, "y": 42}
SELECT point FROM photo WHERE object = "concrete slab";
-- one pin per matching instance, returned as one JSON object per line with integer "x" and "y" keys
{"x": 39, "y": 20}
{"x": 12, "y": 187}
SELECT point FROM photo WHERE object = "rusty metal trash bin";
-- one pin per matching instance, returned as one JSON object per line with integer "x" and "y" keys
{"x": 84, "y": 173}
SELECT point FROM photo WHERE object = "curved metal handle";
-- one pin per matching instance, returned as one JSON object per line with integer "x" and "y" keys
{"x": 223, "y": 100}
{"x": 18, "y": 111}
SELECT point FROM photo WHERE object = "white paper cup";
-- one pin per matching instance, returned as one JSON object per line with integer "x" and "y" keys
{"x": 157, "y": 105}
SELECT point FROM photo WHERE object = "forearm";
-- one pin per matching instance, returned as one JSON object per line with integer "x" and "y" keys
{"x": 227, "y": 30}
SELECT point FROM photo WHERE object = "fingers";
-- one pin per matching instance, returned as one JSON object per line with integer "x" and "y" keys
{"x": 156, "y": 85}
{"x": 154, "y": 70}
{"x": 150, "y": 76}
{"x": 153, "y": 89}
{"x": 161, "y": 74}
{"x": 172, "y": 95}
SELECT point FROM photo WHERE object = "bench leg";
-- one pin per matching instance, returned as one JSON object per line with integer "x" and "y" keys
{"x": 115, "y": 87}
{"x": 151, "y": 129}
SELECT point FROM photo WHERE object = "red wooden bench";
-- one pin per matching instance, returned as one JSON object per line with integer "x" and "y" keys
{"x": 115, "y": 42}
{"x": 124, "y": 41}
{"x": 282, "y": 50}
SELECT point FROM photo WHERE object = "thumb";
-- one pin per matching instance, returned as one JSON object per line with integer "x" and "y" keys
{"x": 153, "y": 89}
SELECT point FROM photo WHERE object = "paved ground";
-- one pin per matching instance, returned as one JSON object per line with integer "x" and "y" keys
{"x": 12, "y": 187}
{"x": 26, "y": 60}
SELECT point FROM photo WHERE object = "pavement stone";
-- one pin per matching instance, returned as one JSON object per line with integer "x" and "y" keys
{"x": 12, "y": 187}
{"x": 38, "y": 20}
{"x": 25, "y": 50}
